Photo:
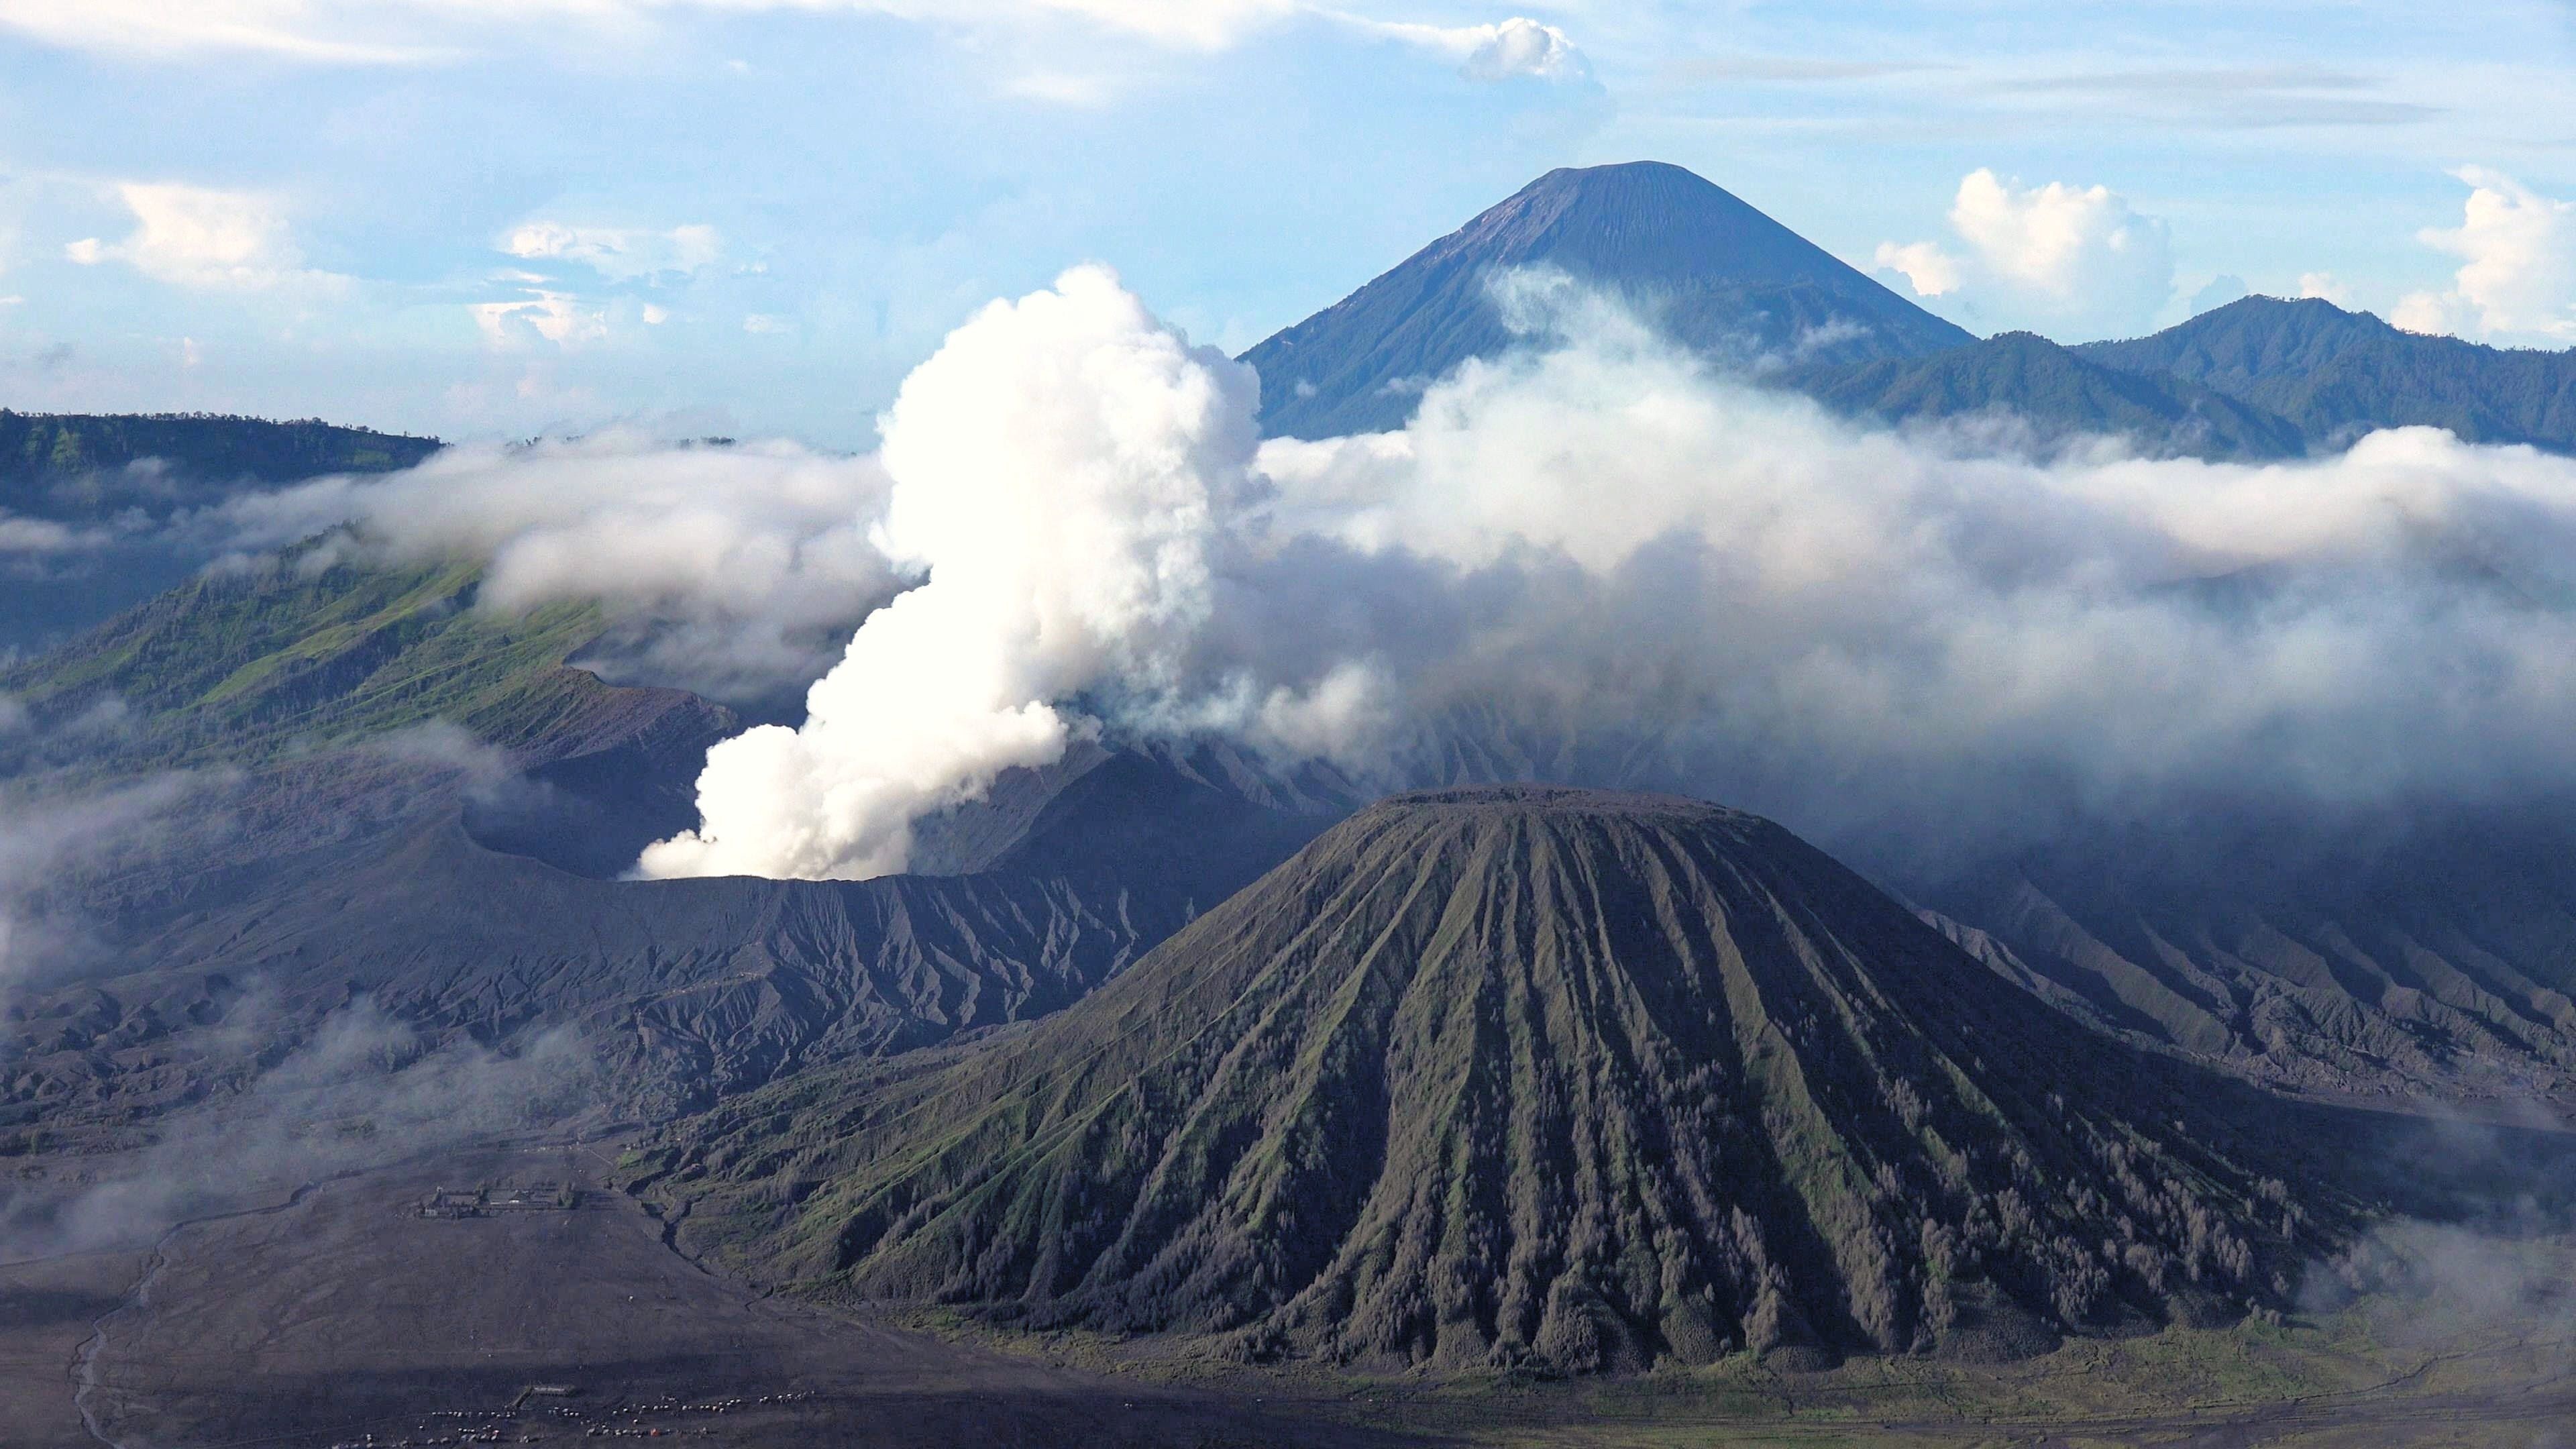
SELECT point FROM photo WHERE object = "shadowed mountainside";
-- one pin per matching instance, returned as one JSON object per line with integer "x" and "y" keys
{"x": 318, "y": 887}
{"x": 2432, "y": 951}
{"x": 1707, "y": 269}
{"x": 378, "y": 791}
{"x": 1522, "y": 1076}
{"x": 2338, "y": 374}
{"x": 80, "y": 467}
{"x": 2421, "y": 947}
{"x": 107, "y": 499}
{"x": 2059, "y": 394}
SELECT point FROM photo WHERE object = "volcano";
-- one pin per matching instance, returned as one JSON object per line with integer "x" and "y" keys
{"x": 1706, "y": 268}
{"x": 1523, "y": 1077}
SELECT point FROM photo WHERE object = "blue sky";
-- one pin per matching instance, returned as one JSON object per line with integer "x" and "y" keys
{"x": 497, "y": 217}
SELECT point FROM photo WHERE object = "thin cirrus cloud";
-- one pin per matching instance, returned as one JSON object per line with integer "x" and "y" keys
{"x": 293, "y": 29}
{"x": 428, "y": 31}
{"x": 2071, "y": 259}
{"x": 1788, "y": 70}
{"x": 617, "y": 253}
{"x": 2229, "y": 97}
{"x": 2517, "y": 279}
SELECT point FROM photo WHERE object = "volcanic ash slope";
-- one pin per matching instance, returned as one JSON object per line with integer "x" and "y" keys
{"x": 1522, "y": 1077}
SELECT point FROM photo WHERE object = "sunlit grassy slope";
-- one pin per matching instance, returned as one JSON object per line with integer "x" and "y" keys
{"x": 249, "y": 664}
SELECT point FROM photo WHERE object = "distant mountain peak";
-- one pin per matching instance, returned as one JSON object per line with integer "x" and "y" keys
{"x": 1712, "y": 271}
{"x": 1639, "y": 220}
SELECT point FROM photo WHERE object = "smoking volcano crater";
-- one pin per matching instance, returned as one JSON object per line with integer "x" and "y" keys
{"x": 1535, "y": 1077}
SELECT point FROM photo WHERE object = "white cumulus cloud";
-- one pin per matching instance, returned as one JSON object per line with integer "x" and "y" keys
{"x": 2077, "y": 261}
{"x": 1931, "y": 271}
{"x": 201, "y": 237}
{"x": 2517, "y": 281}
{"x": 1505, "y": 50}
{"x": 2326, "y": 287}
{"x": 557, "y": 317}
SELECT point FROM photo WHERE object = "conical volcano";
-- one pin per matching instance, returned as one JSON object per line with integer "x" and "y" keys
{"x": 1524, "y": 1077}
{"x": 1707, "y": 268}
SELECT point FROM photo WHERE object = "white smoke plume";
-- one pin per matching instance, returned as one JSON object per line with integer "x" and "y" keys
{"x": 743, "y": 568}
{"x": 1059, "y": 469}
{"x": 1602, "y": 538}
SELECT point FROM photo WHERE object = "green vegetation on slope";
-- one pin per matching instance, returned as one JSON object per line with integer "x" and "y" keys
{"x": 2058, "y": 394}
{"x": 2339, "y": 374}
{"x": 1522, "y": 1077}
{"x": 243, "y": 666}
{"x": 67, "y": 465}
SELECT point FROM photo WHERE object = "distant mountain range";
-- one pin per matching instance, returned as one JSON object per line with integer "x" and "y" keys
{"x": 2258, "y": 379}
{"x": 120, "y": 481}
{"x": 2056, "y": 394}
{"x": 74, "y": 467}
{"x": 2338, "y": 374}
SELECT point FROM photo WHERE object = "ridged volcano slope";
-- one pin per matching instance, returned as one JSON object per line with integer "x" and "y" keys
{"x": 1519, "y": 1076}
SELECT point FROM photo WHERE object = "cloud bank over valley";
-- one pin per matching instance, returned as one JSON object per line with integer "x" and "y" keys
{"x": 1597, "y": 557}
{"x": 1601, "y": 539}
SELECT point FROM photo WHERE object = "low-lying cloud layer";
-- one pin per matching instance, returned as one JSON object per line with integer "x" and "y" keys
{"x": 1603, "y": 540}
{"x": 46, "y": 842}
{"x": 1598, "y": 558}
{"x": 356, "y": 1089}
{"x": 737, "y": 569}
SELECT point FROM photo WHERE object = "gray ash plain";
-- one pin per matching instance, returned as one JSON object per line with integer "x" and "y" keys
{"x": 337, "y": 1310}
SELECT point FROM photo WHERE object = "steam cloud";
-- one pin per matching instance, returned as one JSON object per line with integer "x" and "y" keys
{"x": 1601, "y": 540}
{"x": 1071, "y": 543}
